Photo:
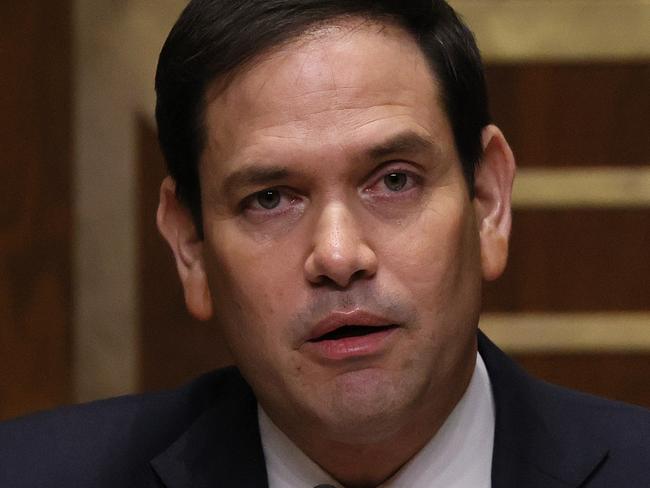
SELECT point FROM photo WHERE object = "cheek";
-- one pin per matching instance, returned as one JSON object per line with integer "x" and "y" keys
{"x": 436, "y": 257}
{"x": 251, "y": 286}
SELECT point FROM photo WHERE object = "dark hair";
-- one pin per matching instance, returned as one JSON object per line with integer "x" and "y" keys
{"x": 212, "y": 38}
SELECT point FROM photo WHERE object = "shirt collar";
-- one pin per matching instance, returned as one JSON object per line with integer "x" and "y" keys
{"x": 458, "y": 456}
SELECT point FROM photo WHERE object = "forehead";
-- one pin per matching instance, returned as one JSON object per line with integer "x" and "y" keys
{"x": 338, "y": 80}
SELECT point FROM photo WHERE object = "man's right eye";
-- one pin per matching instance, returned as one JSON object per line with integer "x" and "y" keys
{"x": 268, "y": 199}
{"x": 272, "y": 204}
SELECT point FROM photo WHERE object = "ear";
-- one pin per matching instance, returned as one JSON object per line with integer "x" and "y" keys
{"x": 492, "y": 195}
{"x": 176, "y": 225}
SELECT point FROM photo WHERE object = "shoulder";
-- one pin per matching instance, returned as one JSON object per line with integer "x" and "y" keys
{"x": 566, "y": 432}
{"x": 581, "y": 419}
{"x": 519, "y": 393}
{"x": 102, "y": 443}
{"x": 617, "y": 434}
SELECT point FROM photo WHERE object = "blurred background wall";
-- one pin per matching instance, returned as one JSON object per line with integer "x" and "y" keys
{"x": 89, "y": 301}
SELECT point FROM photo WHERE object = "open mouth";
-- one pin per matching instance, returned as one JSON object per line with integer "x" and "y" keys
{"x": 353, "y": 331}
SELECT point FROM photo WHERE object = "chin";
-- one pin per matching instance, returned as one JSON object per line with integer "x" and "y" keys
{"x": 367, "y": 407}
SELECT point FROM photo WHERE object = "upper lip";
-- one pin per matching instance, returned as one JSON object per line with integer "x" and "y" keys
{"x": 342, "y": 318}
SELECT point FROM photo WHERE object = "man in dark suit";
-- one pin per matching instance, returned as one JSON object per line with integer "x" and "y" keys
{"x": 336, "y": 196}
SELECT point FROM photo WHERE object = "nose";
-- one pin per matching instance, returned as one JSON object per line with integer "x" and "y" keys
{"x": 339, "y": 253}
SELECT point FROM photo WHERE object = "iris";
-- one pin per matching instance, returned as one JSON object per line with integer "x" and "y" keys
{"x": 395, "y": 181}
{"x": 269, "y": 199}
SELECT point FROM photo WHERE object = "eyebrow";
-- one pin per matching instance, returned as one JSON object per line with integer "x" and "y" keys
{"x": 404, "y": 142}
{"x": 254, "y": 175}
{"x": 263, "y": 175}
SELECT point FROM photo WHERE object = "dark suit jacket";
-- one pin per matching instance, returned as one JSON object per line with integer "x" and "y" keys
{"x": 206, "y": 435}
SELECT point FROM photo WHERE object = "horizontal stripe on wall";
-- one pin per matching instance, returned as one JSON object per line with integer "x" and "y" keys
{"x": 573, "y": 114}
{"x": 598, "y": 187}
{"x": 576, "y": 260}
{"x": 569, "y": 332}
{"x": 523, "y": 30}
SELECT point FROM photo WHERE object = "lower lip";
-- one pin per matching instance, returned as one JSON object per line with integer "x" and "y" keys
{"x": 351, "y": 347}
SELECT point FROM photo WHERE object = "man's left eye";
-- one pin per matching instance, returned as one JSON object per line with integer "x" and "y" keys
{"x": 395, "y": 181}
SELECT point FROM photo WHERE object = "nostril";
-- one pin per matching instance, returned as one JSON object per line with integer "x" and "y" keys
{"x": 330, "y": 282}
{"x": 338, "y": 275}
{"x": 358, "y": 274}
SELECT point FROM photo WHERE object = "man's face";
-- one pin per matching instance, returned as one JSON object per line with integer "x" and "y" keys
{"x": 341, "y": 248}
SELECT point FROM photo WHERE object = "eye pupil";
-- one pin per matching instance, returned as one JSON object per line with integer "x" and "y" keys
{"x": 395, "y": 181}
{"x": 268, "y": 199}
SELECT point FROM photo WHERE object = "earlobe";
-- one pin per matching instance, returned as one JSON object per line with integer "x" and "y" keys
{"x": 492, "y": 197}
{"x": 177, "y": 227}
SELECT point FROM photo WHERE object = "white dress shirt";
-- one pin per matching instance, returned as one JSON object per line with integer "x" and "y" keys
{"x": 458, "y": 456}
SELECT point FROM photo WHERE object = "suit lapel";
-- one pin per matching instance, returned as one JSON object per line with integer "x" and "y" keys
{"x": 540, "y": 440}
{"x": 222, "y": 448}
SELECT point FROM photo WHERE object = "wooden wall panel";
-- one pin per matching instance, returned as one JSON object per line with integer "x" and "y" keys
{"x": 573, "y": 114}
{"x": 620, "y": 376}
{"x": 174, "y": 347}
{"x": 575, "y": 261}
{"x": 35, "y": 209}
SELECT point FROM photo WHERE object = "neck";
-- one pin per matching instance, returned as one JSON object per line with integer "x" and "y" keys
{"x": 366, "y": 466}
